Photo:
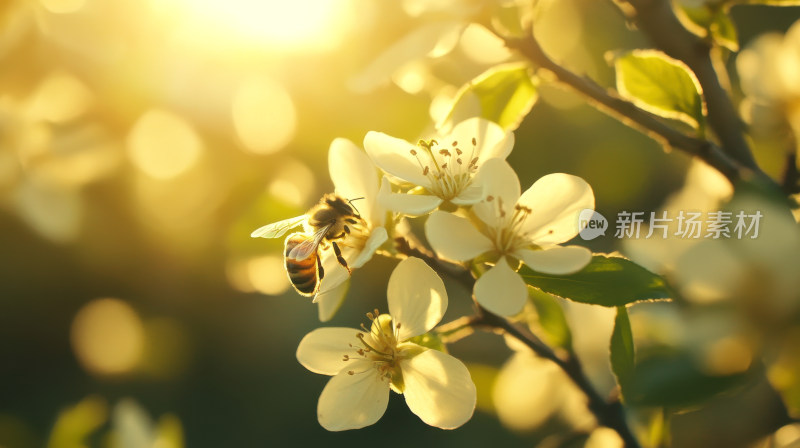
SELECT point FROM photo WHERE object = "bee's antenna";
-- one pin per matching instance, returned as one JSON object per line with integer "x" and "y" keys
{"x": 350, "y": 201}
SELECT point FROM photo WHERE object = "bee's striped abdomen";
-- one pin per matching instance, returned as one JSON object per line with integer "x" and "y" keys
{"x": 303, "y": 274}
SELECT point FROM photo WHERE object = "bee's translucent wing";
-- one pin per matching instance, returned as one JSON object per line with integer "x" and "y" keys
{"x": 278, "y": 229}
{"x": 309, "y": 246}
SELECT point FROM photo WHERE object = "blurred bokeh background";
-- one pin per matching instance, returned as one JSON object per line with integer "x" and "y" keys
{"x": 141, "y": 141}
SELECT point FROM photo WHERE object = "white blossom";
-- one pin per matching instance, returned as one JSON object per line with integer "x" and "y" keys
{"x": 365, "y": 364}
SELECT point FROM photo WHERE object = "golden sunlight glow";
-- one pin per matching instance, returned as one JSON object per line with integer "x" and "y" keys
{"x": 267, "y": 275}
{"x": 107, "y": 336}
{"x": 63, "y": 6}
{"x": 293, "y": 184}
{"x": 60, "y": 97}
{"x": 263, "y": 274}
{"x": 264, "y": 115}
{"x": 282, "y": 25}
{"x": 727, "y": 356}
{"x": 163, "y": 145}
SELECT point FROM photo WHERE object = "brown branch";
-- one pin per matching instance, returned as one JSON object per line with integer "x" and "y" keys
{"x": 628, "y": 113}
{"x": 608, "y": 413}
{"x": 790, "y": 180}
{"x": 657, "y": 20}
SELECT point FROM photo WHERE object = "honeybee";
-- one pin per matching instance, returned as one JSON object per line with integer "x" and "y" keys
{"x": 327, "y": 223}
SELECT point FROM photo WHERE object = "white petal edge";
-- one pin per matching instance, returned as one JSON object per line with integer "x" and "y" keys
{"x": 353, "y": 401}
{"x": 377, "y": 237}
{"x": 408, "y": 204}
{"x": 454, "y": 237}
{"x": 438, "y": 389}
{"x": 393, "y": 155}
{"x": 416, "y": 45}
{"x": 492, "y": 140}
{"x": 417, "y": 298}
{"x": 555, "y": 201}
{"x": 354, "y": 176}
{"x": 501, "y": 290}
{"x": 499, "y": 181}
{"x": 557, "y": 260}
{"x": 330, "y": 300}
{"x": 473, "y": 194}
{"x": 321, "y": 351}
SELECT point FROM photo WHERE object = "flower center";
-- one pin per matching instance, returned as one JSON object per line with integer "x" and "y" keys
{"x": 449, "y": 171}
{"x": 508, "y": 235}
{"x": 378, "y": 344}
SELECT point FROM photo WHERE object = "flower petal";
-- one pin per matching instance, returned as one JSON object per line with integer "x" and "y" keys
{"x": 557, "y": 260}
{"x": 555, "y": 201}
{"x": 439, "y": 389}
{"x": 408, "y": 204}
{"x": 471, "y": 195}
{"x": 431, "y": 40}
{"x": 492, "y": 141}
{"x": 330, "y": 298}
{"x": 499, "y": 182}
{"x": 454, "y": 237}
{"x": 354, "y": 176}
{"x": 377, "y": 237}
{"x": 417, "y": 298}
{"x": 393, "y": 155}
{"x": 353, "y": 401}
{"x": 321, "y": 351}
{"x": 501, "y": 290}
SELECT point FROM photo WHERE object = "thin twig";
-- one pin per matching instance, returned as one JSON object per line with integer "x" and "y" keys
{"x": 608, "y": 413}
{"x": 410, "y": 248}
{"x": 628, "y": 113}
{"x": 790, "y": 180}
{"x": 657, "y": 20}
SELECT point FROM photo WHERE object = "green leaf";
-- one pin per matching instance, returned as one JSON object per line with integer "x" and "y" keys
{"x": 710, "y": 20}
{"x": 503, "y": 94}
{"x": 551, "y": 318}
{"x": 661, "y": 85}
{"x": 430, "y": 340}
{"x": 622, "y": 354}
{"x": 674, "y": 379}
{"x": 606, "y": 281}
{"x": 723, "y": 31}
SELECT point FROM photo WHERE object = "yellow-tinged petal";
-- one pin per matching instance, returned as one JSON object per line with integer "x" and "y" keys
{"x": 376, "y": 237}
{"x": 501, "y": 188}
{"x": 501, "y": 290}
{"x": 355, "y": 176}
{"x": 417, "y": 298}
{"x": 454, "y": 237}
{"x": 555, "y": 201}
{"x": 322, "y": 351}
{"x": 557, "y": 260}
{"x": 491, "y": 140}
{"x": 353, "y": 401}
{"x": 393, "y": 155}
{"x": 470, "y": 195}
{"x": 329, "y": 300}
{"x": 408, "y": 204}
{"x": 438, "y": 389}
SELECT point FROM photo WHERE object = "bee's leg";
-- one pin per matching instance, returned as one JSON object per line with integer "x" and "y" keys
{"x": 320, "y": 271}
{"x": 339, "y": 256}
{"x": 346, "y": 229}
